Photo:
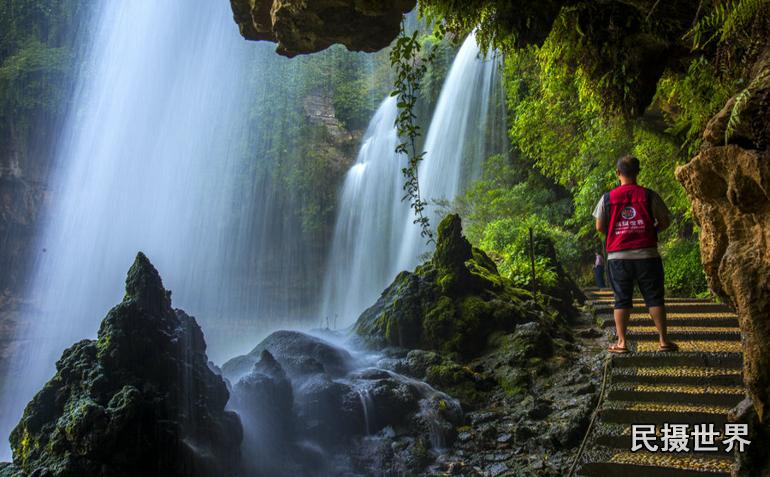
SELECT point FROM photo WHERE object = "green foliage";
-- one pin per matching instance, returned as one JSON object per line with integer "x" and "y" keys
{"x": 504, "y": 204}
{"x": 410, "y": 68}
{"x": 508, "y": 243}
{"x": 725, "y": 20}
{"x": 559, "y": 125}
{"x": 660, "y": 154}
{"x": 740, "y": 102}
{"x": 683, "y": 269}
{"x": 688, "y": 100}
{"x": 36, "y": 63}
{"x": 29, "y": 79}
{"x": 500, "y": 23}
{"x": 442, "y": 56}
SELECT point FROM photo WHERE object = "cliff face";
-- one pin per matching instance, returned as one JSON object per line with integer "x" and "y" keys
{"x": 307, "y": 27}
{"x": 729, "y": 185}
{"x": 23, "y": 175}
{"x": 23, "y": 191}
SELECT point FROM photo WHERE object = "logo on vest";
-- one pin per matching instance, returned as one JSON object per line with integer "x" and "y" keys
{"x": 628, "y": 213}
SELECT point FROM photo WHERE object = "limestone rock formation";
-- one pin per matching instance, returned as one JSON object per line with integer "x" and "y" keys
{"x": 139, "y": 400}
{"x": 300, "y": 26}
{"x": 451, "y": 303}
{"x": 728, "y": 182}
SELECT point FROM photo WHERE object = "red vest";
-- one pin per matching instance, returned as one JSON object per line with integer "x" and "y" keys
{"x": 630, "y": 223}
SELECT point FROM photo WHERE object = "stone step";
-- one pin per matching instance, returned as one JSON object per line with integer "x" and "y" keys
{"x": 677, "y": 394}
{"x": 629, "y": 412}
{"x": 685, "y": 320}
{"x": 695, "y": 346}
{"x": 684, "y": 333}
{"x": 732, "y": 360}
{"x": 699, "y": 384}
{"x": 610, "y": 300}
{"x": 618, "y": 437}
{"x": 678, "y": 375}
{"x": 683, "y": 307}
{"x": 658, "y": 464}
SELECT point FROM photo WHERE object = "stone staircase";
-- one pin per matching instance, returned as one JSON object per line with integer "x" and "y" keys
{"x": 697, "y": 385}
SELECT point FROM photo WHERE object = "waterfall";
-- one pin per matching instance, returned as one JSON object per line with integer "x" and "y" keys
{"x": 375, "y": 236}
{"x": 461, "y": 135}
{"x": 370, "y": 215}
{"x": 153, "y": 157}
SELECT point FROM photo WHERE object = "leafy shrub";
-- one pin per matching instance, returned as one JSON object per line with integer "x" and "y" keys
{"x": 683, "y": 269}
{"x": 507, "y": 241}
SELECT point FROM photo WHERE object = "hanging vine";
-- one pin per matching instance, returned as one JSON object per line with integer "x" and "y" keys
{"x": 410, "y": 67}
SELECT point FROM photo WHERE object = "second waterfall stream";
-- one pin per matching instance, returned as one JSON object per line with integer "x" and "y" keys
{"x": 375, "y": 237}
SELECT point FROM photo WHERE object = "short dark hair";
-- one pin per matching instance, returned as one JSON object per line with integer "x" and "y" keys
{"x": 628, "y": 166}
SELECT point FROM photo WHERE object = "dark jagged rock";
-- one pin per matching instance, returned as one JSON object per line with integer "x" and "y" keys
{"x": 298, "y": 353}
{"x": 329, "y": 411}
{"x": 321, "y": 422}
{"x": 264, "y": 400}
{"x": 9, "y": 470}
{"x": 307, "y": 27}
{"x": 139, "y": 400}
{"x": 450, "y": 303}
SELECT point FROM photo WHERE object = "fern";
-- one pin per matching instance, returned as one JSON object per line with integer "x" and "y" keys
{"x": 741, "y": 15}
{"x": 735, "y": 115}
{"x": 725, "y": 20}
{"x": 740, "y": 104}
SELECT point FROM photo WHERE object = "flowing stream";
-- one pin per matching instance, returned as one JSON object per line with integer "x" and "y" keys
{"x": 375, "y": 237}
{"x": 152, "y": 158}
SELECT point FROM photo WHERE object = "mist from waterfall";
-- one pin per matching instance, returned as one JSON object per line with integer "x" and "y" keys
{"x": 375, "y": 237}
{"x": 154, "y": 157}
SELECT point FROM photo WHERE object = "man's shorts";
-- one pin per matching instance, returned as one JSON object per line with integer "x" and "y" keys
{"x": 646, "y": 272}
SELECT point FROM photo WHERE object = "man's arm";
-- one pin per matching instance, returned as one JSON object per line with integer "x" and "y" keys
{"x": 600, "y": 226}
{"x": 662, "y": 215}
{"x": 599, "y": 216}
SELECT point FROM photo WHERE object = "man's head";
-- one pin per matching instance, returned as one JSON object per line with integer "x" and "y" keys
{"x": 628, "y": 168}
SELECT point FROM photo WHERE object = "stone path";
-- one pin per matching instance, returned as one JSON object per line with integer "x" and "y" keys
{"x": 697, "y": 385}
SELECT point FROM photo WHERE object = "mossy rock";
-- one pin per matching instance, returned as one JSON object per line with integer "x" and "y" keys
{"x": 461, "y": 382}
{"x": 139, "y": 400}
{"x": 450, "y": 303}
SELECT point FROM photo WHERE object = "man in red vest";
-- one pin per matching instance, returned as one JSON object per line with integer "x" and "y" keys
{"x": 631, "y": 217}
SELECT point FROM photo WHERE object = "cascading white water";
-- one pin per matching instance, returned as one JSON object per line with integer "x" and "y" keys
{"x": 375, "y": 236}
{"x": 457, "y": 140}
{"x": 367, "y": 235}
{"x": 152, "y": 159}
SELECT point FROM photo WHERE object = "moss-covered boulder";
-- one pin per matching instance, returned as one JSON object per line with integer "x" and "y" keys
{"x": 139, "y": 400}
{"x": 450, "y": 303}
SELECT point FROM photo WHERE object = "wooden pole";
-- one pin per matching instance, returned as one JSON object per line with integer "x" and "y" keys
{"x": 532, "y": 262}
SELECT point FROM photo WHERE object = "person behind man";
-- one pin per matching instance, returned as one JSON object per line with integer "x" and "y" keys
{"x": 599, "y": 270}
{"x": 631, "y": 217}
